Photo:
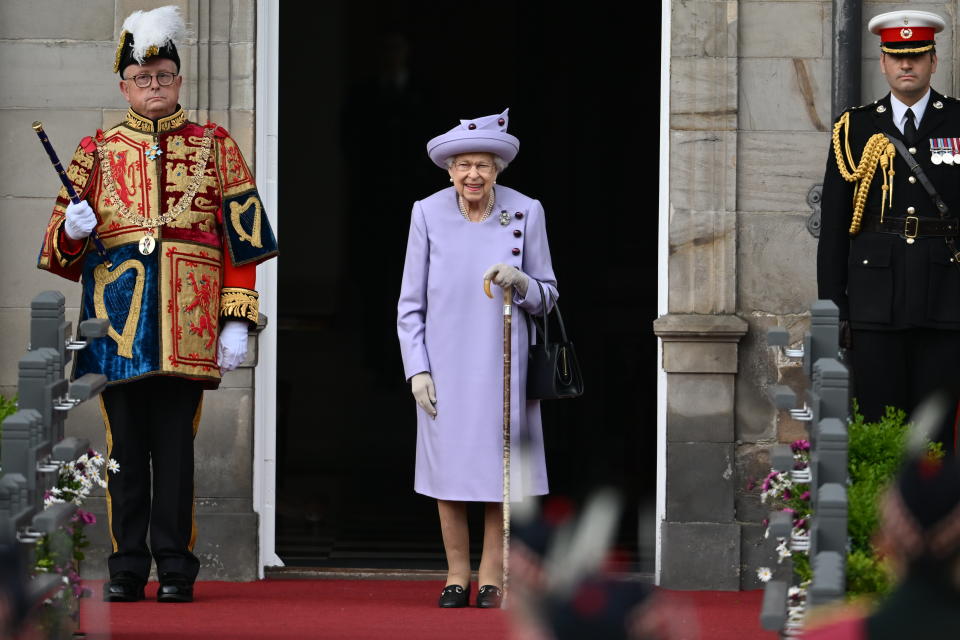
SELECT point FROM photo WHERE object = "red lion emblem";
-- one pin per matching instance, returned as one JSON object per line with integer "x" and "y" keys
{"x": 203, "y": 297}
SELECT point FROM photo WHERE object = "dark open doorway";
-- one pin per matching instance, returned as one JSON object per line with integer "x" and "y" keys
{"x": 359, "y": 97}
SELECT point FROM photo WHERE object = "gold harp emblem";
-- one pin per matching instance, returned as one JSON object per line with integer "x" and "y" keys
{"x": 103, "y": 277}
{"x": 236, "y": 210}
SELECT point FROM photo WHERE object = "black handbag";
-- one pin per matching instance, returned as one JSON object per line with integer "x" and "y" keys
{"x": 552, "y": 368}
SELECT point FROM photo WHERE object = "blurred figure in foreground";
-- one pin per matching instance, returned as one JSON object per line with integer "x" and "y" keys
{"x": 920, "y": 533}
{"x": 565, "y": 583}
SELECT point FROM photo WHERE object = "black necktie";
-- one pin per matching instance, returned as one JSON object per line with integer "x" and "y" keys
{"x": 910, "y": 129}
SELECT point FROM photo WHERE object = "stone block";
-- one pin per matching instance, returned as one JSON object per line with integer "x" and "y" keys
{"x": 58, "y": 74}
{"x": 226, "y": 542}
{"x": 29, "y": 172}
{"x": 700, "y": 407}
{"x": 14, "y": 341}
{"x": 759, "y": 367}
{"x": 242, "y": 75}
{"x": 703, "y": 170}
{"x": 753, "y": 465}
{"x": 227, "y": 546}
{"x": 703, "y": 94}
{"x": 784, "y": 94}
{"x": 699, "y": 555}
{"x": 703, "y": 29}
{"x": 777, "y": 263}
{"x": 755, "y": 552}
{"x": 769, "y": 29}
{"x": 86, "y": 421}
{"x": 701, "y": 486}
{"x": 24, "y": 221}
{"x": 699, "y": 357}
{"x": 224, "y": 444}
{"x": 777, "y": 170}
{"x": 39, "y": 19}
{"x": 702, "y": 262}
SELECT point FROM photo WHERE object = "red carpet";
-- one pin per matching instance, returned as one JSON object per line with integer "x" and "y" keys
{"x": 362, "y": 609}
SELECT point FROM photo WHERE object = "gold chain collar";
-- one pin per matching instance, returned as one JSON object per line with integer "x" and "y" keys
{"x": 174, "y": 121}
{"x": 123, "y": 210}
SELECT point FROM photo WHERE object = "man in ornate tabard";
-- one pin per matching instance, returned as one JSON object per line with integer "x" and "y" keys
{"x": 177, "y": 209}
{"x": 887, "y": 252}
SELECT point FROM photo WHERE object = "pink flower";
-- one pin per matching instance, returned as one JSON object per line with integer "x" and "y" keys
{"x": 805, "y": 495}
{"x": 86, "y": 517}
{"x": 800, "y": 445}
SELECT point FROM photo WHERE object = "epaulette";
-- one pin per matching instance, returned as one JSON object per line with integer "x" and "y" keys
{"x": 863, "y": 107}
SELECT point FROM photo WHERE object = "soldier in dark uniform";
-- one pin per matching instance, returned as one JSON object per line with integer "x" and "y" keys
{"x": 886, "y": 253}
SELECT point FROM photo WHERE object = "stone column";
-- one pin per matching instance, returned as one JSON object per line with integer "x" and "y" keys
{"x": 700, "y": 536}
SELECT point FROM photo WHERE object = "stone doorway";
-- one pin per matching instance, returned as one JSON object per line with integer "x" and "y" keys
{"x": 583, "y": 93}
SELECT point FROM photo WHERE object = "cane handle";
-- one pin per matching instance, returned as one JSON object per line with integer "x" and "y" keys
{"x": 486, "y": 287}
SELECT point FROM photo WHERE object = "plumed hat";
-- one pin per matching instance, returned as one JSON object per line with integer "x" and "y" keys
{"x": 906, "y": 32}
{"x": 150, "y": 34}
{"x": 487, "y": 134}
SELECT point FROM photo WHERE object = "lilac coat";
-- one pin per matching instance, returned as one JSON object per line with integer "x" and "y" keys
{"x": 449, "y": 327}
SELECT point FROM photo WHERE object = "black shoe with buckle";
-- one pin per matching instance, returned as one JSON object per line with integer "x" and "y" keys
{"x": 489, "y": 597}
{"x": 454, "y": 596}
{"x": 175, "y": 587}
{"x": 124, "y": 586}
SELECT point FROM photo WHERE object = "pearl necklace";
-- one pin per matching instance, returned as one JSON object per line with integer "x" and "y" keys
{"x": 486, "y": 212}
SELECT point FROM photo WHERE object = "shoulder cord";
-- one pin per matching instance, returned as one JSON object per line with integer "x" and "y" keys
{"x": 877, "y": 151}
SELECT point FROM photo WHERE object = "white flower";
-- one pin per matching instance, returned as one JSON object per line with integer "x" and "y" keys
{"x": 113, "y": 466}
{"x": 782, "y": 551}
{"x": 83, "y": 458}
{"x": 764, "y": 574}
{"x": 55, "y": 491}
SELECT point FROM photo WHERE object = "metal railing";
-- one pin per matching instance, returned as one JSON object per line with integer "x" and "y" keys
{"x": 825, "y": 412}
{"x": 33, "y": 446}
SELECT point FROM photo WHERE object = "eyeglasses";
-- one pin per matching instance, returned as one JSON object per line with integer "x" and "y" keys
{"x": 482, "y": 167}
{"x": 144, "y": 80}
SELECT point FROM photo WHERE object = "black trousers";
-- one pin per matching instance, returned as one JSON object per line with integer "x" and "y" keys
{"x": 902, "y": 368}
{"x": 150, "y": 426}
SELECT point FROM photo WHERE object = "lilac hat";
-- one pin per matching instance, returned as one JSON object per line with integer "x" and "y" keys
{"x": 487, "y": 134}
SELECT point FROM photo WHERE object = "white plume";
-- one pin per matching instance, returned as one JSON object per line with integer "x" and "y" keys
{"x": 154, "y": 29}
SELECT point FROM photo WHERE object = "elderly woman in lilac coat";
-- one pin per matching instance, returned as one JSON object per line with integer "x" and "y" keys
{"x": 451, "y": 338}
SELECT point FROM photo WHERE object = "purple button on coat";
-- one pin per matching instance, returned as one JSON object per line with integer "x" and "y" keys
{"x": 447, "y": 326}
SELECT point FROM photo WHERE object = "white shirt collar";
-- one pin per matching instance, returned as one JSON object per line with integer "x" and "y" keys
{"x": 900, "y": 110}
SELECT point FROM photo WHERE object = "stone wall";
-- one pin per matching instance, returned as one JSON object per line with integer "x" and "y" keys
{"x": 749, "y": 131}
{"x": 56, "y": 62}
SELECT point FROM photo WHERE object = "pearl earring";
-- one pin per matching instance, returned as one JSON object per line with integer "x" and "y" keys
{"x": 451, "y": 179}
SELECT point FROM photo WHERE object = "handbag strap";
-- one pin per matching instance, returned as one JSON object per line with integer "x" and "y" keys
{"x": 543, "y": 314}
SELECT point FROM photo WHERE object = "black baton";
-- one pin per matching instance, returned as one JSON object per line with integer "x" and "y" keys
{"x": 74, "y": 198}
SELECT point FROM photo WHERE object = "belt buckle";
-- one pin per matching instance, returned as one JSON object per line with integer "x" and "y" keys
{"x": 907, "y": 233}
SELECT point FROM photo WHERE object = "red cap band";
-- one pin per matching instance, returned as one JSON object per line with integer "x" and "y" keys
{"x": 906, "y": 34}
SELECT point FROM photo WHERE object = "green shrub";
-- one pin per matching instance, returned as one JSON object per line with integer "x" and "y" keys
{"x": 876, "y": 451}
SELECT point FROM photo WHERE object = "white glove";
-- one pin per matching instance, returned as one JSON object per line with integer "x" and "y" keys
{"x": 81, "y": 220}
{"x": 232, "y": 348}
{"x": 424, "y": 392}
{"x": 503, "y": 275}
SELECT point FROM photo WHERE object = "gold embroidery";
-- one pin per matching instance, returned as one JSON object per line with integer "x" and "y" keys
{"x": 239, "y": 303}
{"x": 116, "y": 59}
{"x": 236, "y": 210}
{"x": 102, "y": 277}
{"x": 110, "y": 185}
{"x": 904, "y": 52}
{"x": 176, "y": 148}
{"x": 171, "y": 122}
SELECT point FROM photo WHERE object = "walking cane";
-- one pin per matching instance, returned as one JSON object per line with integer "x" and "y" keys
{"x": 507, "y": 313}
